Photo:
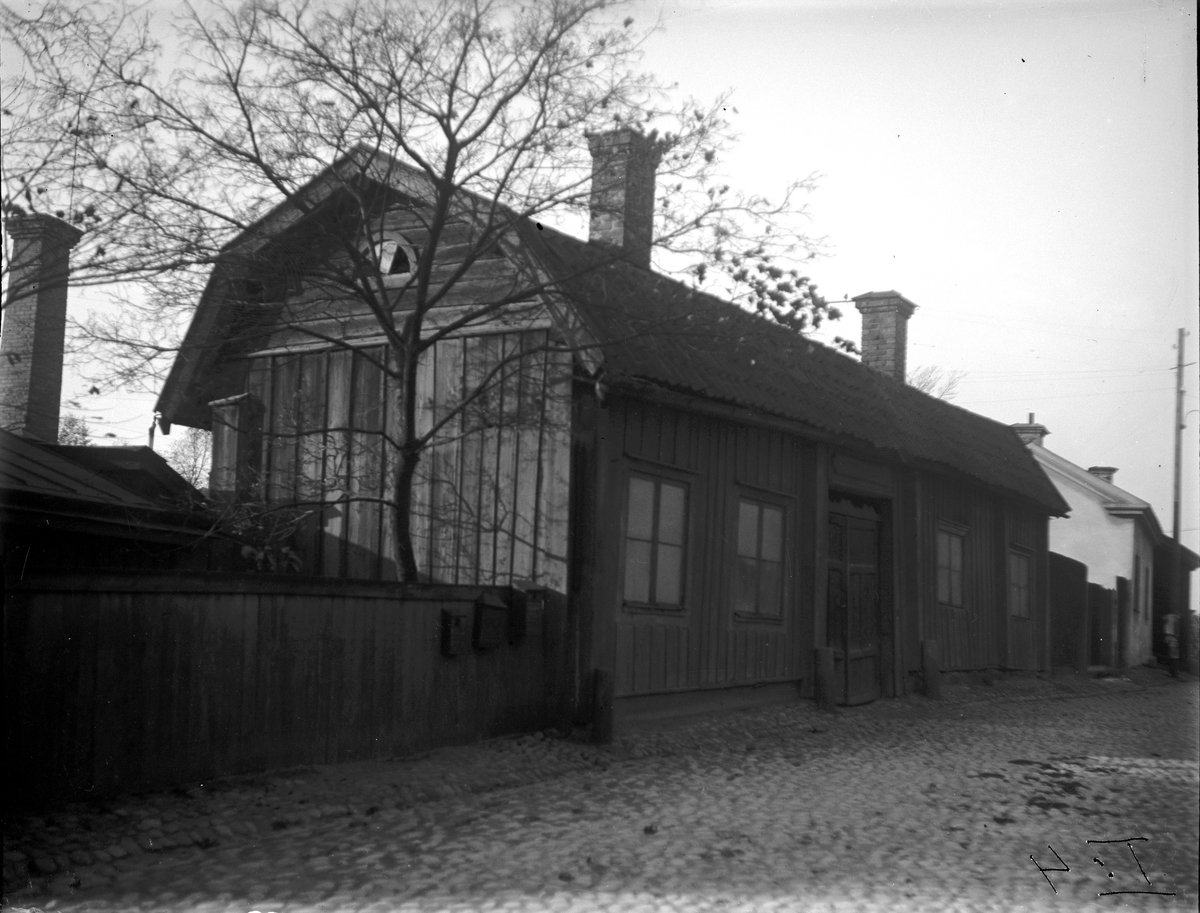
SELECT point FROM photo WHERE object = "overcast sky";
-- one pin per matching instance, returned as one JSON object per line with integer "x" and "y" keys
{"x": 1024, "y": 172}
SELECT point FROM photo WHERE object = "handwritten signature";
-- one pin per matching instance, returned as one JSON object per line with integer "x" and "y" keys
{"x": 1128, "y": 841}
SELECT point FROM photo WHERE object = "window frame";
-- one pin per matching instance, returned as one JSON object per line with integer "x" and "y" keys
{"x": 1026, "y": 556}
{"x": 658, "y": 479}
{"x": 959, "y": 533}
{"x": 761, "y": 499}
{"x": 386, "y": 250}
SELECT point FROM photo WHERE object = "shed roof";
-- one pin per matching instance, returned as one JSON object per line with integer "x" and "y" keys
{"x": 132, "y": 488}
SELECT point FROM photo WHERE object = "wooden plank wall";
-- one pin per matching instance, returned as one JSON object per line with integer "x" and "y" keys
{"x": 117, "y": 683}
{"x": 491, "y": 494}
{"x": 706, "y": 646}
{"x": 981, "y": 634}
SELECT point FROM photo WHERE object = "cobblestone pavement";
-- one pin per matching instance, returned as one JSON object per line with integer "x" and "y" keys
{"x": 898, "y": 805}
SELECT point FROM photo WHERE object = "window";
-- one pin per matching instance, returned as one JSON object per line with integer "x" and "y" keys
{"x": 654, "y": 542}
{"x": 950, "y": 568}
{"x": 758, "y": 580}
{"x": 396, "y": 257}
{"x": 1018, "y": 584}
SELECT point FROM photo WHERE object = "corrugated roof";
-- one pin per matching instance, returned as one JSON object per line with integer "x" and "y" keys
{"x": 656, "y": 329}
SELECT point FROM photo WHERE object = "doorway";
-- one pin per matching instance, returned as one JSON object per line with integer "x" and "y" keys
{"x": 853, "y": 602}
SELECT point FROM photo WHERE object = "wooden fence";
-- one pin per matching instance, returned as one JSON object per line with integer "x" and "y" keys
{"x": 118, "y": 683}
{"x": 1102, "y": 626}
{"x": 1069, "y": 644}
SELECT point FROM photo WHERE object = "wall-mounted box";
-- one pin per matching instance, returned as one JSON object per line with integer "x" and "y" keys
{"x": 491, "y": 622}
{"x": 526, "y": 599}
{"x": 455, "y": 633}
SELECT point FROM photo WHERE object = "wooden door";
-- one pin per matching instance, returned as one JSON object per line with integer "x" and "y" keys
{"x": 852, "y": 621}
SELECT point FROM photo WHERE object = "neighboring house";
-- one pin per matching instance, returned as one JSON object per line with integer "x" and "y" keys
{"x": 95, "y": 508}
{"x": 1172, "y": 559}
{"x": 719, "y": 497}
{"x": 1115, "y": 534}
{"x": 73, "y": 507}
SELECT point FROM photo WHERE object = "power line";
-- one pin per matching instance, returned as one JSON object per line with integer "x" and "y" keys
{"x": 1021, "y": 399}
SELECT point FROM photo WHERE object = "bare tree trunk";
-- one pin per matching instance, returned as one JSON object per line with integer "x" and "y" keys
{"x": 406, "y": 556}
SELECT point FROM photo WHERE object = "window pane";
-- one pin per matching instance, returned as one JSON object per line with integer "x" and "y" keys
{"x": 943, "y": 550}
{"x": 641, "y": 509}
{"x": 747, "y": 544}
{"x": 770, "y": 593}
{"x": 772, "y": 534}
{"x": 637, "y": 571}
{"x": 668, "y": 584}
{"x": 956, "y": 555}
{"x": 943, "y": 584}
{"x": 864, "y": 545}
{"x": 956, "y": 596}
{"x": 744, "y": 595}
{"x": 671, "y": 510}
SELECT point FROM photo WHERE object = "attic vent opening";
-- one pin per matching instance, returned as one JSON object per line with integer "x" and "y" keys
{"x": 395, "y": 259}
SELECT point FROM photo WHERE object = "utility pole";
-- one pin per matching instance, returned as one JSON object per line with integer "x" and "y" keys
{"x": 1178, "y": 432}
{"x": 1176, "y": 555}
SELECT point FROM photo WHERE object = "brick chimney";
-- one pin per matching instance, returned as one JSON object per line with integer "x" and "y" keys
{"x": 885, "y": 332}
{"x": 1103, "y": 472}
{"x": 624, "y": 163}
{"x": 35, "y": 323}
{"x": 1031, "y": 432}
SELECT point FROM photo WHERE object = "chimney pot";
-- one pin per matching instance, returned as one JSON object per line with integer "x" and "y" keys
{"x": 624, "y": 162}
{"x": 1031, "y": 432}
{"x": 35, "y": 323}
{"x": 885, "y": 331}
{"x": 1103, "y": 472}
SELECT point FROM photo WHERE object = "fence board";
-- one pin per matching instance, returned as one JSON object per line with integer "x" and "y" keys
{"x": 117, "y": 683}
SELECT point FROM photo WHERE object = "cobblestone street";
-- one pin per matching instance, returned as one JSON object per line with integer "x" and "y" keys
{"x": 898, "y": 805}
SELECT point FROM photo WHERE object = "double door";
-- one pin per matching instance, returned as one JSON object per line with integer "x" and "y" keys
{"x": 852, "y": 620}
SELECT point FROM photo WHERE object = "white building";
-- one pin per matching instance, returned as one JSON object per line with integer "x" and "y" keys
{"x": 1111, "y": 531}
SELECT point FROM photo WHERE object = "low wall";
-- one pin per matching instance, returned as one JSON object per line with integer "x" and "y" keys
{"x": 125, "y": 682}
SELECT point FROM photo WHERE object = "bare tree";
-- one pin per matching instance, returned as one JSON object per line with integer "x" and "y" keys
{"x": 937, "y": 382}
{"x": 73, "y": 430}
{"x": 292, "y": 130}
{"x": 191, "y": 456}
{"x": 63, "y": 117}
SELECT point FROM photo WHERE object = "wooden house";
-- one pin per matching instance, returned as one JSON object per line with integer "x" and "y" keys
{"x": 724, "y": 502}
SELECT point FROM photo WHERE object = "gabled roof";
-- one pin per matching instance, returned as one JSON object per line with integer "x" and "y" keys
{"x": 133, "y": 489}
{"x": 1117, "y": 501}
{"x": 219, "y": 317}
{"x": 653, "y": 329}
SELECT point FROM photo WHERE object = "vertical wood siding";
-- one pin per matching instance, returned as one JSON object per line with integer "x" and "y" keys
{"x": 982, "y": 633}
{"x": 491, "y": 491}
{"x": 119, "y": 683}
{"x": 706, "y": 645}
